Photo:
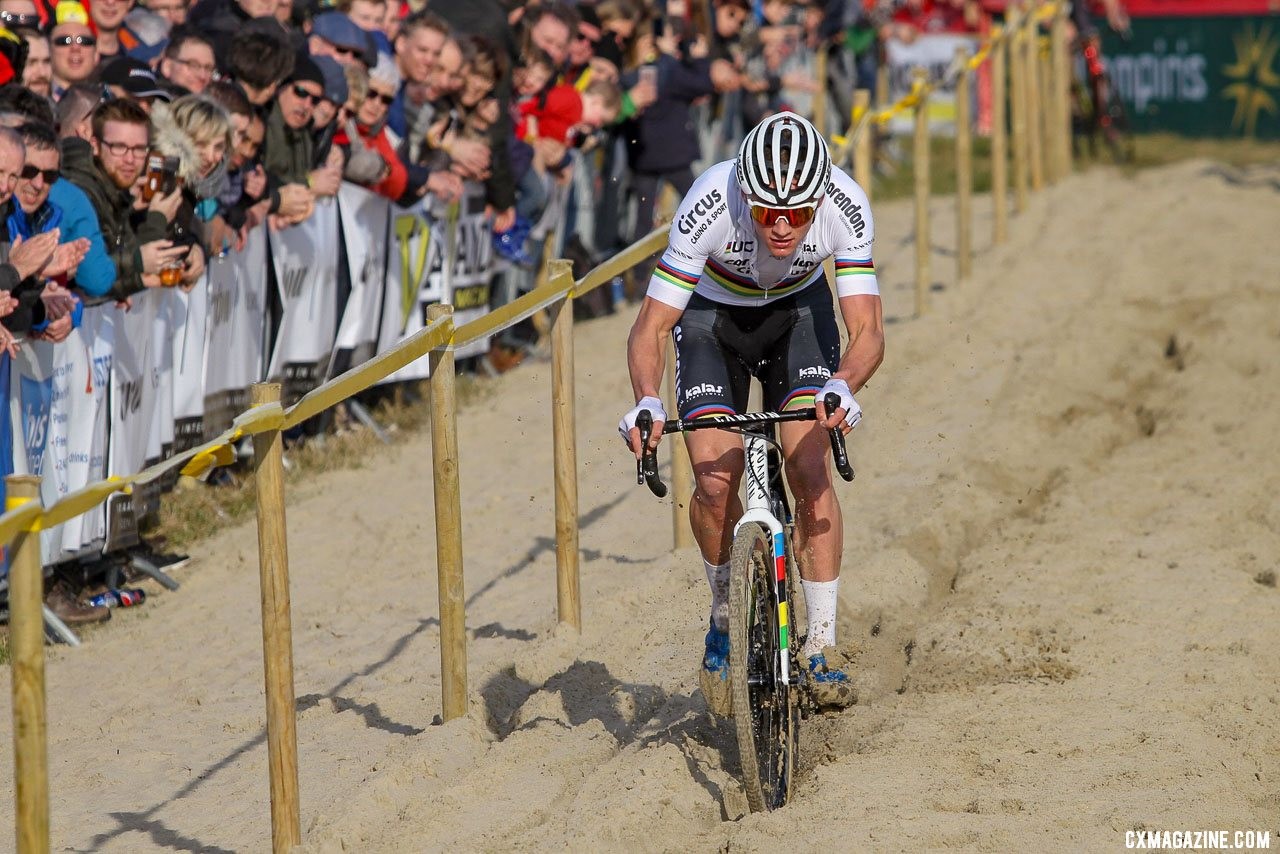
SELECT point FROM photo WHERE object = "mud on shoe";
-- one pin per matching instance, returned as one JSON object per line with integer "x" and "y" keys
{"x": 713, "y": 675}
{"x": 828, "y": 683}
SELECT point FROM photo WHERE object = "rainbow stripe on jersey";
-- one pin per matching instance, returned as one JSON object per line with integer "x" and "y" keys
{"x": 742, "y": 286}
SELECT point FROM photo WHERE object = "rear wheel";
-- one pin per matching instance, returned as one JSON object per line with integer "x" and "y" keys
{"x": 764, "y": 706}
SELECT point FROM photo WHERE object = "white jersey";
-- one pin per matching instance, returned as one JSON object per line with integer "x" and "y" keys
{"x": 713, "y": 250}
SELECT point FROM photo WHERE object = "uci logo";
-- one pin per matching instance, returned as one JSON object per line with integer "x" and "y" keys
{"x": 702, "y": 207}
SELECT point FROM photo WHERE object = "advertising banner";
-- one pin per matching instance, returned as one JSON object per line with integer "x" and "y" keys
{"x": 189, "y": 312}
{"x": 415, "y": 279}
{"x": 366, "y": 218}
{"x": 305, "y": 258}
{"x": 233, "y": 350}
{"x": 467, "y": 289}
{"x": 133, "y": 398}
{"x": 1201, "y": 76}
{"x": 934, "y": 52}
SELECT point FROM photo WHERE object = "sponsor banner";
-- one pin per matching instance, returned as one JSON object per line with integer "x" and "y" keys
{"x": 189, "y": 313}
{"x": 134, "y": 380}
{"x": 1205, "y": 76}
{"x": 233, "y": 348}
{"x": 467, "y": 287}
{"x": 414, "y": 279}
{"x": 160, "y": 440}
{"x": 366, "y": 218}
{"x": 98, "y": 329}
{"x": 934, "y": 52}
{"x": 305, "y": 258}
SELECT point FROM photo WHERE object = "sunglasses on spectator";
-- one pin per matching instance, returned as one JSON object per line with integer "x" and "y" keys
{"x": 67, "y": 41}
{"x": 381, "y": 96}
{"x": 30, "y": 172}
{"x": 348, "y": 52}
{"x": 120, "y": 149}
{"x": 15, "y": 20}
{"x": 795, "y": 217}
{"x": 301, "y": 92}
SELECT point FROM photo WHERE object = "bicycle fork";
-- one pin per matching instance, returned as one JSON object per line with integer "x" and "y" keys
{"x": 757, "y": 510}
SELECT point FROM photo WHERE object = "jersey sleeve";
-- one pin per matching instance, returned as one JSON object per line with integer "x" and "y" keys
{"x": 855, "y": 270}
{"x": 698, "y": 227}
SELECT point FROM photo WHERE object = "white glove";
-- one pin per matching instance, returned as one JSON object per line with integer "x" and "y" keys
{"x": 852, "y": 411}
{"x": 629, "y": 420}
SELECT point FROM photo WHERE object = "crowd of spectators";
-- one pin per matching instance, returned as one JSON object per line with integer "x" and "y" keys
{"x": 140, "y": 138}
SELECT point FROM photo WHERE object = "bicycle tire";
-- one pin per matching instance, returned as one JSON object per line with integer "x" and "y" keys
{"x": 764, "y": 708}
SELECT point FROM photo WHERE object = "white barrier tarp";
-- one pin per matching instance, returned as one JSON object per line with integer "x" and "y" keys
{"x": 467, "y": 289}
{"x": 416, "y": 249}
{"x": 133, "y": 392}
{"x": 366, "y": 218}
{"x": 189, "y": 313}
{"x": 233, "y": 351}
{"x": 934, "y": 52}
{"x": 306, "y": 266}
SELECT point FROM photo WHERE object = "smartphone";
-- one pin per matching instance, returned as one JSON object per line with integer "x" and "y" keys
{"x": 649, "y": 74}
{"x": 169, "y": 175}
{"x": 659, "y": 27}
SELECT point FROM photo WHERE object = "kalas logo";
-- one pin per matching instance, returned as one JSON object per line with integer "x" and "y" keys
{"x": 702, "y": 207}
{"x": 701, "y": 389}
{"x": 818, "y": 373}
{"x": 848, "y": 207}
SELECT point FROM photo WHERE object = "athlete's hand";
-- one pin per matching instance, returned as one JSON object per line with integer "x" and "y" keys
{"x": 849, "y": 413}
{"x": 630, "y": 433}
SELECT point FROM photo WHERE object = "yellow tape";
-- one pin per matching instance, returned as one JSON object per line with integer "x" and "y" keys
{"x": 12, "y": 503}
{"x": 222, "y": 455}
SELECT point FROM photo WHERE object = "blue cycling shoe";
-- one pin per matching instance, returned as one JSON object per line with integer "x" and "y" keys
{"x": 713, "y": 676}
{"x": 829, "y": 684}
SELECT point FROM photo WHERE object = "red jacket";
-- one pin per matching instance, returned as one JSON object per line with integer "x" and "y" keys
{"x": 397, "y": 180}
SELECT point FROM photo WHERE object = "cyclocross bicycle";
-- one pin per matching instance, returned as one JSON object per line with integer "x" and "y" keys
{"x": 766, "y": 681}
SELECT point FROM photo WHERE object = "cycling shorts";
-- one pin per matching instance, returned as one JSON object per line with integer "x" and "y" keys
{"x": 791, "y": 345}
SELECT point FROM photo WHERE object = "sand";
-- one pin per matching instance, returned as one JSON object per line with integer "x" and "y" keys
{"x": 1058, "y": 588}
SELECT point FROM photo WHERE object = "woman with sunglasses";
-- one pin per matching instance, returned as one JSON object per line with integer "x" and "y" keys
{"x": 743, "y": 288}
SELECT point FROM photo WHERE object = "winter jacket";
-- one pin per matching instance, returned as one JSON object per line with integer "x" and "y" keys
{"x": 663, "y": 138}
{"x": 30, "y": 310}
{"x": 287, "y": 154}
{"x": 124, "y": 230}
{"x": 96, "y": 273}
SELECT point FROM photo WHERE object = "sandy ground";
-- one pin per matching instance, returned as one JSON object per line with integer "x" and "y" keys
{"x": 1059, "y": 587}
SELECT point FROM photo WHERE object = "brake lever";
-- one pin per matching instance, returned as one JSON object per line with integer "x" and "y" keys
{"x": 647, "y": 465}
{"x": 832, "y": 402}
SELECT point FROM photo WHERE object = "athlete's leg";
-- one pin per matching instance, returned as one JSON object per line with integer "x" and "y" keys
{"x": 717, "y": 459}
{"x": 819, "y": 532}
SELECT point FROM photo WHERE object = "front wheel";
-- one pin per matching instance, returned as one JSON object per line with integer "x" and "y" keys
{"x": 764, "y": 706}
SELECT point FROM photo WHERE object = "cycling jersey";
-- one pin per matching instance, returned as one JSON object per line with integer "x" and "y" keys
{"x": 713, "y": 249}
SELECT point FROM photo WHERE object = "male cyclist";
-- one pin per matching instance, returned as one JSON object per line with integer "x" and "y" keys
{"x": 742, "y": 287}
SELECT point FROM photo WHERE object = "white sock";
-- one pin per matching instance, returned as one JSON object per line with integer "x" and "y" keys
{"x": 718, "y": 578}
{"x": 820, "y": 605}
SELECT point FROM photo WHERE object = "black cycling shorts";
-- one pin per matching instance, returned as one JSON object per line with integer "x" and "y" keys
{"x": 791, "y": 346}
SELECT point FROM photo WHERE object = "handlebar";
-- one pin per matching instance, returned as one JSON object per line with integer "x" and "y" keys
{"x": 647, "y": 465}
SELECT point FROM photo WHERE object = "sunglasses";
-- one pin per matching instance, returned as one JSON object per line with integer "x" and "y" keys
{"x": 381, "y": 96}
{"x": 795, "y": 217}
{"x": 301, "y": 92}
{"x": 15, "y": 20}
{"x": 30, "y": 172}
{"x": 67, "y": 41}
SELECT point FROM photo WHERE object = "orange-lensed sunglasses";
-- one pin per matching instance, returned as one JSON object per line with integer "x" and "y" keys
{"x": 795, "y": 217}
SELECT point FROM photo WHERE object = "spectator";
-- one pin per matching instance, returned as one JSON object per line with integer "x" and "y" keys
{"x": 188, "y": 64}
{"x": 549, "y": 27}
{"x": 258, "y": 60}
{"x": 335, "y": 35}
{"x": 37, "y": 73}
{"x": 288, "y": 151}
{"x": 197, "y": 131}
{"x": 246, "y": 180}
{"x": 114, "y": 39}
{"x": 75, "y": 113}
{"x": 324, "y": 120}
{"x": 73, "y": 48}
{"x": 370, "y": 16}
{"x": 173, "y": 11}
{"x": 221, "y": 20}
{"x": 417, "y": 49}
{"x": 18, "y": 15}
{"x": 126, "y": 77}
{"x": 107, "y": 172}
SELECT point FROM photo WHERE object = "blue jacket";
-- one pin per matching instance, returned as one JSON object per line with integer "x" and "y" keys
{"x": 97, "y": 272}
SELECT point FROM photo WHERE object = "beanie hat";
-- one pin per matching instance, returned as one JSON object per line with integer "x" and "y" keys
{"x": 306, "y": 70}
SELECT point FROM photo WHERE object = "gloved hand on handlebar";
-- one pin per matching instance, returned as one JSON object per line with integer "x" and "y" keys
{"x": 852, "y": 411}
{"x": 630, "y": 433}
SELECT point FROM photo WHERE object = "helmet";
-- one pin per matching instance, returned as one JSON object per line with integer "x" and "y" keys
{"x": 784, "y": 162}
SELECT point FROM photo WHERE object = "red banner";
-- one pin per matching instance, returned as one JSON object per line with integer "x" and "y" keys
{"x": 1199, "y": 8}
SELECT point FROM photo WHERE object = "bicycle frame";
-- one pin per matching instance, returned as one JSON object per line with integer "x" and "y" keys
{"x": 758, "y": 510}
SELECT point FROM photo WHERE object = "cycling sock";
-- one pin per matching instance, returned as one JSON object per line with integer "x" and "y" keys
{"x": 718, "y": 578}
{"x": 820, "y": 605}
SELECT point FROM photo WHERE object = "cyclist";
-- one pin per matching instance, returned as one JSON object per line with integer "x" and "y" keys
{"x": 742, "y": 287}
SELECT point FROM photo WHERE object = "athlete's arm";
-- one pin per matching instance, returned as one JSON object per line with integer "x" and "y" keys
{"x": 646, "y": 355}
{"x": 864, "y": 319}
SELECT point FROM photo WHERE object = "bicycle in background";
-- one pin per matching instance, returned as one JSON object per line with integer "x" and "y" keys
{"x": 766, "y": 679}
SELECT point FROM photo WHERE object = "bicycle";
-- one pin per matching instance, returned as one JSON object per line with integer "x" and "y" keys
{"x": 766, "y": 681}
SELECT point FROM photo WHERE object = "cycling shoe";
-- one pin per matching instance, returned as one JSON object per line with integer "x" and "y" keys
{"x": 713, "y": 675}
{"x": 829, "y": 685}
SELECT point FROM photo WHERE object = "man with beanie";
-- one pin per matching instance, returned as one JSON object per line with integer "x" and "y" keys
{"x": 288, "y": 149}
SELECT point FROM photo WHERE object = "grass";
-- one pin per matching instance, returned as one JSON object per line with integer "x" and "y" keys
{"x": 895, "y": 178}
{"x": 195, "y": 511}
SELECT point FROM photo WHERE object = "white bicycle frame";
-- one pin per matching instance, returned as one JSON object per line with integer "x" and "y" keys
{"x": 758, "y": 510}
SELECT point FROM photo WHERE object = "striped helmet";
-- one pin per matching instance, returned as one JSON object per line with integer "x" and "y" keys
{"x": 784, "y": 163}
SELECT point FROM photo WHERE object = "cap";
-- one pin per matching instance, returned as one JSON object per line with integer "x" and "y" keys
{"x": 335, "y": 79}
{"x": 305, "y": 69}
{"x": 70, "y": 12}
{"x": 135, "y": 77}
{"x": 336, "y": 28}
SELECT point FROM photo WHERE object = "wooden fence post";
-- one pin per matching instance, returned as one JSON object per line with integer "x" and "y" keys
{"x": 882, "y": 85}
{"x": 1018, "y": 103}
{"x": 820, "y": 97}
{"x": 448, "y": 502}
{"x": 277, "y": 630}
{"x": 1048, "y": 114}
{"x": 564, "y": 437}
{"x": 1061, "y": 123}
{"x": 920, "y": 163}
{"x": 26, "y": 639}
{"x": 681, "y": 467}
{"x": 862, "y": 142}
{"x": 1035, "y": 106}
{"x": 999, "y": 142}
{"x": 964, "y": 167}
